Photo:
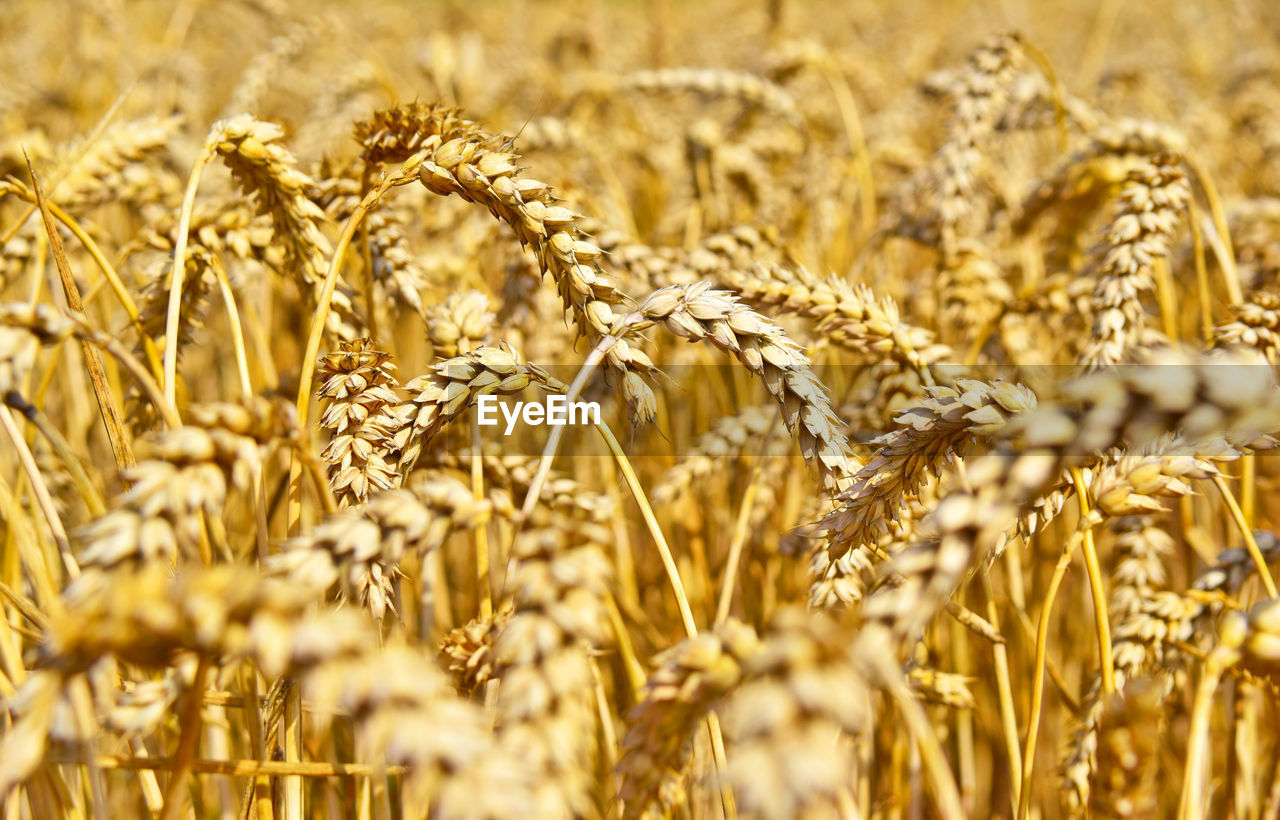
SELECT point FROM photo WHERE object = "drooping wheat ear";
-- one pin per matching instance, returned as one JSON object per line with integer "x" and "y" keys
{"x": 1140, "y": 233}
{"x": 749, "y": 262}
{"x": 406, "y": 714}
{"x": 392, "y": 135}
{"x": 113, "y": 169}
{"x": 690, "y": 678}
{"x": 947, "y": 189}
{"x": 264, "y": 168}
{"x": 396, "y": 269}
{"x": 1112, "y": 151}
{"x": 358, "y": 391}
{"x": 360, "y": 549}
{"x": 751, "y": 431}
{"x": 750, "y": 89}
{"x": 699, "y": 313}
{"x": 479, "y": 167}
{"x": 843, "y": 581}
{"x": 469, "y": 648}
{"x": 459, "y": 324}
{"x": 1133, "y": 484}
{"x": 981, "y": 96}
{"x": 931, "y": 433}
{"x": 1127, "y": 784}
{"x": 450, "y": 386}
{"x": 249, "y": 90}
{"x": 1256, "y": 324}
{"x": 781, "y": 722}
{"x": 545, "y": 708}
{"x": 200, "y": 278}
{"x": 182, "y": 475}
{"x": 848, "y": 315}
{"x": 1207, "y": 397}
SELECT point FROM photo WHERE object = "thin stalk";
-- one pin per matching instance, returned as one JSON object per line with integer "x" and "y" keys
{"x": 1204, "y": 293}
{"x": 741, "y": 529}
{"x": 43, "y": 498}
{"x": 1167, "y": 296}
{"x": 1250, "y": 542}
{"x": 481, "y": 533}
{"x": 848, "y": 108}
{"x": 237, "y": 331}
{"x": 1220, "y": 238}
{"x": 1094, "y": 570}
{"x": 108, "y": 272}
{"x": 292, "y": 784}
{"x": 84, "y": 485}
{"x": 172, "y": 315}
{"x": 188, "y": 741}
{"x": 686, "y": 614}
{"x": 1037, "y": 682}
{"x": 945, "y": 793}
{"x": 592, "y": 361}
{"x": 635, "y": 670}
{"x": 651, "y": 521}
{"x": 89, "y": 335}
{"x": 120, "y": 448}
{"x": 1004, "y": 691}
{"x": 1193, "y": 779}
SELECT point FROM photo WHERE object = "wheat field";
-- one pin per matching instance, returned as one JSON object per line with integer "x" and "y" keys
{"x": 926, "y": 354}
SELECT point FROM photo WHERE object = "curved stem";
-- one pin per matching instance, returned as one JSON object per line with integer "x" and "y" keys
{"x": 43, "y": 498}
{"x": 1193, "y": 780}
{"x": 170, "y": 364}
{"x": 650, "y": 520}
{"x": 557, "y": 433}
{"x": 187, "y": 744}
{"x": 1226, "y": 254}
{"x": 1250, "y": 542}
{"x": 1105, "y": 662}
{"x": 1008, "y": 714}
{"x": 237, "y": 330}
{"x": 481, "y": 532}
{"x": 857, "y": 141}
{"x": 1037, "y": 682}
{"x": 740, "y": 532}
{"x": 105, "y": 266}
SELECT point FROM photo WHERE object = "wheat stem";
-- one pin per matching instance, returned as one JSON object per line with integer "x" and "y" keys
{"x": 179, "y": 272}
{"x": 1094, "y": 570}
{"x": 1251, "y": 543}
{"x": 1037, "y": 681}
{"x": 1004, "y": 692}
